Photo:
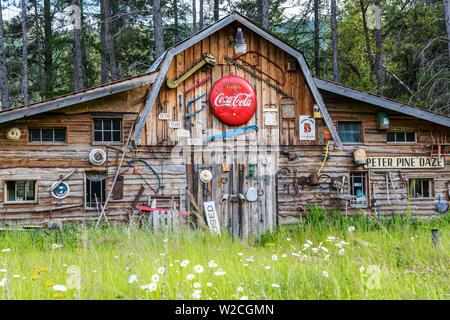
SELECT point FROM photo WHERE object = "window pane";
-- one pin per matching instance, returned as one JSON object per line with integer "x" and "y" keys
{"x": 350, "y": 131}
{"x": 107, "y": 124}
{"x": 116, "y": 124}
{"x": 390, "y": 137}
{"x": 30, "y": 190}
{"x": 35, "y": 135}
{"x": 11, "y": 187}
{"x": 98, "y": 136}
{"x": 95, "y": 189}
{"x": 411, "y": 137}
{"x": 356, "y": 137}
{"x": 47, "y": 135}
{"x": 60, "y": 135}
{"x": 107, "y": 136}
{"x": 97, "y": 124}
{"x": 116, "y": 136}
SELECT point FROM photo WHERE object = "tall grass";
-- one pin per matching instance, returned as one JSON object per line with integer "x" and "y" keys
{"x": 278, "y": 265}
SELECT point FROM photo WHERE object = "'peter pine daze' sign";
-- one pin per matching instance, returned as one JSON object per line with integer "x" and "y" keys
{"x": 404, "y": 162}
{"x": 233, "y": 100}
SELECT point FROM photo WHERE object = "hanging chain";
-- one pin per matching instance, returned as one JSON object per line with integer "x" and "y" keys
{"x": 256, "y": 76}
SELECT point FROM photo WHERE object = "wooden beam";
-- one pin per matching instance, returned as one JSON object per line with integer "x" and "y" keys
{"x": 382, "y": 102}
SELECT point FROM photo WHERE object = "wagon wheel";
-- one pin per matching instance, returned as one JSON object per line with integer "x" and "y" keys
{"x": 325, "y": 182}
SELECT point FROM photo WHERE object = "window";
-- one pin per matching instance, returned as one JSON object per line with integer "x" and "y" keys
{"x": 20, "y": 191}
{"x": 358, "y": 188}
{"x": 47, "y": 135}
{"x": 350, "y": 132}
{"x": 107, "y": 130}
{"x": 95, "y": 189}
{"x": 401, "y": 136}
{"x": 420, "y": 188}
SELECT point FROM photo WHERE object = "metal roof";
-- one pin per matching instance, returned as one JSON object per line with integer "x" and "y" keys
{"x": 382, "y": 102}
{"x": 77, "y": 97}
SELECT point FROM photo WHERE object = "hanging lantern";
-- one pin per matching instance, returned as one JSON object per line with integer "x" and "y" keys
{"x": 239, "y": 44}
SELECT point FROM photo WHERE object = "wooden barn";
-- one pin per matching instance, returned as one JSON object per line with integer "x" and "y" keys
{"x": 233, "y": 116}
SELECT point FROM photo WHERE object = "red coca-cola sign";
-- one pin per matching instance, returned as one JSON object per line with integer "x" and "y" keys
{"x": 233, "y": 100}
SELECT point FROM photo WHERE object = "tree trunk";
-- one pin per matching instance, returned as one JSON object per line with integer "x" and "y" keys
{"x": 378, "y": 58}
{"x": 158, "y": 25}
{"x": 366, "y": 34}
{"x": 334, "y": 39}
{"x": 38, "y": 44}
{"x": 216, "y": 10}
{"x": 446, "y": 5}
{"x": 78, "y": 81}
{"x": 24, "y": 54}
{"x": 316, "y": 38}
{"x": 201, "y": 15}
{"x": 175, "y": 14}
{"x": 48, "y": 58}
{"x": 265, "y": 14}
{"x": 194, "y": 17}
{"x": 3, "y": 71}
{"x": 109, "y": 42}
{"x": 103, "y": 52}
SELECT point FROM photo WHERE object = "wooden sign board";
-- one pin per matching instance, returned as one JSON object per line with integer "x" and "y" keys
{"x": 174, "y": 124}
{"x": 184, "y": 133}
{"x": 307, "y": 128}
{"x": 211, "y": 216}
{"x": 404, "y": 162}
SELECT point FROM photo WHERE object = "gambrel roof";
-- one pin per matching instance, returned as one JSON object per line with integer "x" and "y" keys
{"x": 164, "y": 61}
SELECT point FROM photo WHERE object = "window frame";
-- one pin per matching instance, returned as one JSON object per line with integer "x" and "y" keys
{"x": 402, "y": 142}
{"x": 432, "y": 187}
{"x": 85, "y": 176}
{"x": 5, "y": 192}
{"x": 352, "y": 121}
{"x": 93, "y": 119}
{"x": 366, "y": 189}
{"x": 46, "y": 143}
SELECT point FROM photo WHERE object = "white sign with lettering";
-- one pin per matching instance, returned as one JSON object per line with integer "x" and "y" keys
{"x": 307, "y": 128}
{"x": 211, "y": 216}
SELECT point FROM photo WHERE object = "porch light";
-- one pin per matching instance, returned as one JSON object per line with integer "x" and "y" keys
{"x": 239, "y": 44}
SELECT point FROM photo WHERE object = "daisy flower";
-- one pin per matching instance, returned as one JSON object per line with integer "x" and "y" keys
{"x": 325, "y": 274}
{"x": 190, "y": 276}
{"x": 198, "y": 268}
{"x": 267, "y": 267}
{"x": 184, "y": 263}
{"x": 155, "y": 278}
{"x": 133, "y": 278}
{"x": 341, "y": 252}
{"x": 240, "y": 289}
{"x": 275, "y": 285}
{"x": 197, "y": 294}
{"x": 6, "y": 250}
{"x": 197, "y": 285}
{"x": 161, "y": 270}
{"x": 351, "y": 229}
{"x": 209, "y": 284}
{"x": 361, "y": 269}
{"x": 212, "y": 264}
{"x": 274, "y": 257}
{"x": 59, "y": 287}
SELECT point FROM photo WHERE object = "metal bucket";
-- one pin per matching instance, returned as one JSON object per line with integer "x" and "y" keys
{"x": 382, "y": 120}
{"x": 313, "y": 179}
{"x": 360, "y": 156}
{"x": 327, "y": 134}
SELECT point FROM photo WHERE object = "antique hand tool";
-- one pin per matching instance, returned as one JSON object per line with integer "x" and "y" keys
{"x": 233, "y": 132}
{"x": 153, "y": 170}
{"x": 209, "y": 59}
{"x": 197, "y": 84}
{"x": 62, "y": 178}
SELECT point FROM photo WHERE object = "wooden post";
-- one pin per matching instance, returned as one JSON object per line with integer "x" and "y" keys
{"x": 435, "y": 236}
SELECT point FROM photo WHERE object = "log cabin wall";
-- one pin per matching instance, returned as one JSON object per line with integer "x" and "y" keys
{"x": 341, "y": 163}
{"x": 45, "y": 162}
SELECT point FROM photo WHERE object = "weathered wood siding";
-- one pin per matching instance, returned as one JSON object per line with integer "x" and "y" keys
{"x": 45, "y": 162}
{"x": 339, "y": 163}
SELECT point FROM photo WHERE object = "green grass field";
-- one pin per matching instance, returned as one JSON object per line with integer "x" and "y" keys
{"x": 320, "y": 259}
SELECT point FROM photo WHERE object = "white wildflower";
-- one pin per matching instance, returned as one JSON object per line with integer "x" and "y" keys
{"x": 3, "y": 282}
{"x": 197, "y": 294}
{"x": 267, "y": 268}
{"x": 190, "y": 276}
{"x": 184, "y": 263}
{"x": 327, "y": 256}
{"x": 133, "y": 278}
{"x": 288, "y": 239}
{"x": 212, "y": 264}
{"x": 240, "y": 254}
{"x": 275, "y": 285}
{"x": 325, "y": 274}
{"x": 244, "y": 298}
{"x": 197, "y": 285}
{"x": 155, "y": 278}
{"x": 209, "y": 284}
{"x": 324, "y": 249}
{"x": 284, "y": 255}
{"x": 240, "y": 289}
{"x": 274, "y": 257}
{"x": 59, "y": 287}
{"x": 361, "y": 269}
{"x": 351, "y": 229}
{"x": 6, "y": 250}
{"x": 315, "y": 250}
{"x": 198, "y": 268}
{"x": 341, "y": 252}
{"x": 3, "y": 270}
{"x": 161, "y": 270}
{"x": 309, "y": 242}
{"x": 56, "y": 246}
